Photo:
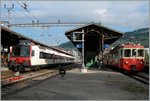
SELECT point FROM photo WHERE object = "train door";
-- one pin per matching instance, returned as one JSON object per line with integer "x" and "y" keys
{"x": 34, "y": 59}
{"x": 35, "y": 56}
{"x": 120, "y": 58}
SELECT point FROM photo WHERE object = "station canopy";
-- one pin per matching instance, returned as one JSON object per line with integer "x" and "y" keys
{"x": 11, "y": 38}
{"x": 108, "y": 35}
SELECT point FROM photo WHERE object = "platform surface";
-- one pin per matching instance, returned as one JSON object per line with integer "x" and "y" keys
{"x": 93, "y": 85}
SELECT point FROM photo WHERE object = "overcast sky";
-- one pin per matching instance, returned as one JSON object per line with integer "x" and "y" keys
{"x": 120, "y": 15}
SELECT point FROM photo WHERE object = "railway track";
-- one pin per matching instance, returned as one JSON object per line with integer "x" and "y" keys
{"x": 9, "y": 87}
{"x": 29, "y": 79}
{"x": 143, "y": 77}
{"x": 140, "y": 77}
{"x": 6, "y": 74}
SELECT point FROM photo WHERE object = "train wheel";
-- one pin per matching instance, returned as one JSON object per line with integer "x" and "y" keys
{"x": 33, "y": 69}
{"x": 15, "y": 69}
{"x": 37, "y": 68}
{"x": 134, "y": 73}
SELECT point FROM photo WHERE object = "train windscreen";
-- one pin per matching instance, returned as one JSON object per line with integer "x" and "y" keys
{"x": 21, "y": 50}
{"x": 140, "y": 53}
{"x": 127, "y": 53}
{"x": 134, "y": 53}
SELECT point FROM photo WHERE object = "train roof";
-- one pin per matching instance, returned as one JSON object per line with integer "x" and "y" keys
{"x": 127, "y": 45}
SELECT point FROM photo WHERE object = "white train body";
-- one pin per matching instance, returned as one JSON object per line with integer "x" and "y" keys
{"x": 37, "y": 60}
{"x": 30, "y": 56}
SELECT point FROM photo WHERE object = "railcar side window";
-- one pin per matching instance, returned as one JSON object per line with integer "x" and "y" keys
{"x": 127, "y": 53}
{"x": 33, "y": 53}
{"x": 41, "y": 55}
{"x": 133, "y": 52}
{"x": 46, "y": 55}
{"x": 140, "y": 53}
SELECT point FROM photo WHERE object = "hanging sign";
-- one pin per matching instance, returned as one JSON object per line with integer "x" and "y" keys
{"x": 79, "y": 45}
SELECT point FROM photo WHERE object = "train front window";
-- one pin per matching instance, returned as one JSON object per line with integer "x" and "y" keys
{"x": 16, "y": 51}
{"x": 127, "y": 53}
{"x": 21, "y": 50}
{"x": 134, "y": 52}
{"x": 140, "y": 53}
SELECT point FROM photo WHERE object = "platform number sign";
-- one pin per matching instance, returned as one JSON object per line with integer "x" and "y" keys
{"x": 79, "y": 45}
{"x": 106, "y": 45}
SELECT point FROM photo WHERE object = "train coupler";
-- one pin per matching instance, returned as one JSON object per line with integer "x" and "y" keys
{"x": 133, "y": 68}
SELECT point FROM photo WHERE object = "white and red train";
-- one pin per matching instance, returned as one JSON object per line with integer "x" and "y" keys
{"x": 128, "y": 57}
{"x": 27, "y": 56}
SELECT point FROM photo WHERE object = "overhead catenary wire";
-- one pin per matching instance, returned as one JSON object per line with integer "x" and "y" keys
{"x": 43, "y": 31}
{"x": 48, "y": 29}
{"x": 21, "y": 13}
{"x": 10, "y": 2}
{"x": 23, "y": 18}
{"x": 31, "y": 28}
{"x": 30, "y": 19}
{"x": 9, "y": 9}
{"x": 25, "y": 7}
{"x": 18, "y": 14}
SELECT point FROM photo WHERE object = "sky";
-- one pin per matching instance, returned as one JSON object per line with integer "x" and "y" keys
{"x": 119, "y": 15}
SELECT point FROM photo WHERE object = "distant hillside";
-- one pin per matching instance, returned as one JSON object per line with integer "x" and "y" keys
{"x": 67, "y": 45}
{"x": 136, "y": 36}
{"x": 139, "y": 36}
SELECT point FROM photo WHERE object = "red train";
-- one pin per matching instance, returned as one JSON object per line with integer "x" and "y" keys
{"x": 128, "y": 57}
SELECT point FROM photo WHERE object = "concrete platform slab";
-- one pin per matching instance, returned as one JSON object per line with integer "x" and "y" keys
{"x": 4, "y": 69}
{"x": 94, "y": 85}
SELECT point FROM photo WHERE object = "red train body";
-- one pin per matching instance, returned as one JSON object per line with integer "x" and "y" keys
{"x": 128, "y": 57}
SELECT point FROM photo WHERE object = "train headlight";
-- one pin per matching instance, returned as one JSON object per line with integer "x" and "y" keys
{"x": 141, "y": 62}
{"x": 126, "y": 62}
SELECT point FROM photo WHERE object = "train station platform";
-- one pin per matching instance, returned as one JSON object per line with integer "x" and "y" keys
{"x": 4, "y": 69}
{"x": 93, "y": 85}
